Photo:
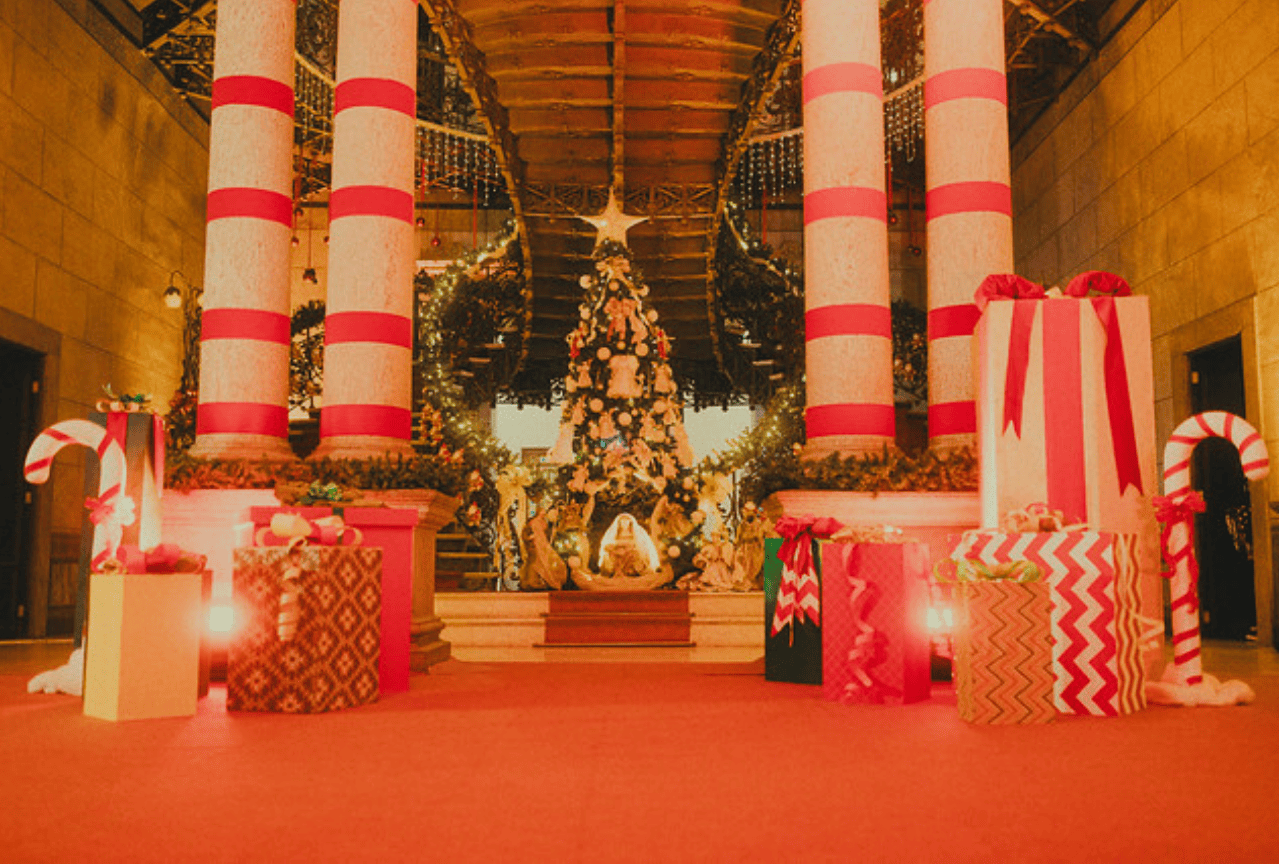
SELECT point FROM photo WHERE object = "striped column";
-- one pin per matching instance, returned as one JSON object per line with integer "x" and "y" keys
{"x": 244, "y": 348}
{"x": 969, "y": 202}
{"x": 368, "y": 325}
{"x": 849, "y": 362}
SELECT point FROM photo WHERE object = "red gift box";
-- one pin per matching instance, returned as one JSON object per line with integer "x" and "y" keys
{"x": 391, "y": 530}
{"x": 1096, "y": 630}
{"x": 1065, "y": 406}
{"x": 875, "y": 641}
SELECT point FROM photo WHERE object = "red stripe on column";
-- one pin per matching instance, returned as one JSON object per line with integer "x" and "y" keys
{"x": 952, "y": 418}
{"x": 850, "y": 319}
{"x": 257, "y": 324}
{"x": 843, "y": 78}
{"x": 845, "y": 201}
{"x": 974, "y": 197}
{"x": 250, "y": 203}
{"x": 242, "y": 418}
{"x": 851, "y": 419}
{"x": 375, "y": 93}
{"x": 384, "y": 420}
{"x": 380, "y": 327}
{"x": 253, "y": 90}
{"x": 958, "y": 320}
{"x": 971, "y": 83}
{"x": 371, "y": 201}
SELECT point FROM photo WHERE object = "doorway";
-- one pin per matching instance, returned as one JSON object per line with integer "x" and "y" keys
{"x": 20, "y": 370}
{"x": 1223, "y": 532}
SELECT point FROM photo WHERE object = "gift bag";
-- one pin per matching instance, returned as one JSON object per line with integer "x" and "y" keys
{"x": 310, "y": 634}
{"x": 1093, "y": 607}
{"x": 1003, "y": 652}
{"x": 875, "y": 641}
{"x": 793, "y": 651}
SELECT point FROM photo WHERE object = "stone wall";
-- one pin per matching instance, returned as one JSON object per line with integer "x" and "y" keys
{"x": 102, "y": 183}
{"x": 1161, "y": 163}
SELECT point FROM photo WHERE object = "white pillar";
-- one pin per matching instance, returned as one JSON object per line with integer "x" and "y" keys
{"x": 848, "y": 326}
{"x": 970, "y": 233}
{"x": 244, "y": 348}
{"x": 368, "y": 323}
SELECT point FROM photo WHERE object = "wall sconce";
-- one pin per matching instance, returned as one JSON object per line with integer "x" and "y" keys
{"x": 172, "y": 295}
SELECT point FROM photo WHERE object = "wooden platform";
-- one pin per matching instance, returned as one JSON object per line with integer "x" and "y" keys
{"x": 631, "y": 618}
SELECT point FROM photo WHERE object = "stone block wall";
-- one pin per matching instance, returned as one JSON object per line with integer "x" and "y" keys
{"x": 1161, "y": 163}
{"x": 103, "y": 170}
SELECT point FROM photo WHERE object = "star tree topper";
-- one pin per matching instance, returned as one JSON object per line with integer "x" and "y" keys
{"x": 612, "y": 224}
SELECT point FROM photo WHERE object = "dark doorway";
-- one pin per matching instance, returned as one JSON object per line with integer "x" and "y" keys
{"x": 20, "y": 370}
{"x": 1223, "y": 532}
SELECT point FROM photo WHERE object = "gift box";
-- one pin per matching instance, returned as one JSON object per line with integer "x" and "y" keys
{"x": 1004, "y": 652}
{"x": 309, "y": 636}
{"x": 1065, "y": 406}
{"x": 143, "y": 655}
{"x": 792, "y": 652}
{"x": 1096, "y": 630}
{"x": 391, "y": 530}
{"x": 875, "y": 641}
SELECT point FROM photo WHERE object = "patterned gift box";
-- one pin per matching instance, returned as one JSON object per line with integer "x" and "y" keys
{"x": 1065, "y": 416}
{"x": 391, "y": 529}
{"x": 1096, "y": 631}
{"x": 875, "y": 642}
{"x": 331, "y": 660}
{"x": 795, "y": 653}
{"x": 1003, "y": 652}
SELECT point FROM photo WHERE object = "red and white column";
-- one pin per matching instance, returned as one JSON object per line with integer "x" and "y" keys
{"x": 244, "y": 348}
{"x": 369, "y": 319}
{"x": 848, "y": 326}
{"x": 969, "y": 201}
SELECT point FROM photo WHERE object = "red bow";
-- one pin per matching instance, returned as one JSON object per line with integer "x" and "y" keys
{"x": 1180, "y": 508}
{"x": 1099, "y": 281}
{"x": 799, "y": 594}
{"x": 1006, "y": 286}
{"x": 165, "y": 558}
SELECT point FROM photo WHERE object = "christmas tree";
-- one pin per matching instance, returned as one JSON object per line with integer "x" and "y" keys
{"x": 622, "y": 442}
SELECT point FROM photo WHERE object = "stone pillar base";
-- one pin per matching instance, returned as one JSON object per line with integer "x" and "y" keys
{"x": 426, "y": 647}
{"x": 845, "y": 445}
{"x": 946, "y": 443}
{"x": 224, "y": 445}
{"x": 361, "y": 447}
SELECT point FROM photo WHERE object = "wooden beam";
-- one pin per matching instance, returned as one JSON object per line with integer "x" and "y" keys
{"x": 1050, "y": 22}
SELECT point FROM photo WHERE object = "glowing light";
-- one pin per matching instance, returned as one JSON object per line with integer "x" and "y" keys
{"x": 940, "y": 618}
{"x": 221, "y": 619}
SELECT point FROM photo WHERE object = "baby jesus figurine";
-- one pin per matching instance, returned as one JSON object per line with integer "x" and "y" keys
{"x": 627, "y": 550}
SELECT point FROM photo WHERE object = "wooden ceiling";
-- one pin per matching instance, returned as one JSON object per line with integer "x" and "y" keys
{"x": 655, "y": 98}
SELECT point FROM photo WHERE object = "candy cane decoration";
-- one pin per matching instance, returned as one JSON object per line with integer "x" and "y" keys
{"x": 112, "y": 509}
{"x": 1178, "y": 506}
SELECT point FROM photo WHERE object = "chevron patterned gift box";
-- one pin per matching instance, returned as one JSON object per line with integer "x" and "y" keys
{"x": 1003, "y": 652}
{"x": 1096, "y": 633}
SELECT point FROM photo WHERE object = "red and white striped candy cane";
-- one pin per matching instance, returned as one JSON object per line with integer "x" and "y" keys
{"x": 1177, "y": 509}
{"x": 112, "y": 508}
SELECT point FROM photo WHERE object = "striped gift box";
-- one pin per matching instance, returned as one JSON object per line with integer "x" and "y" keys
{"x": 1092, "y": 582}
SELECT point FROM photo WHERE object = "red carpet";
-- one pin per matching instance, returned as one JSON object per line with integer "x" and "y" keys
{"x": 645, "y": 763}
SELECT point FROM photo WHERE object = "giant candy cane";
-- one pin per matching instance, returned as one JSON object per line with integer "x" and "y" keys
{"x": 1177, "y": 509}
{"x": 112, "y": 509}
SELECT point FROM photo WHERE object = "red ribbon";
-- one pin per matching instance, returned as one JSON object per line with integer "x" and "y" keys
{"x": 1008, "y": 286}
{"x": 1171, "y": 510}
{"x": 799, "y": 575}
